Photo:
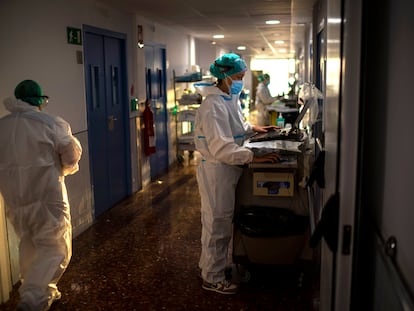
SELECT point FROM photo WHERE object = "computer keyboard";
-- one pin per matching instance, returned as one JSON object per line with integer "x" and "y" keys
{"x": 284, "y": 134}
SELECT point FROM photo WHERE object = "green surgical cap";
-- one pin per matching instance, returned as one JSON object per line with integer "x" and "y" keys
{"x": 227, "y": 65}
{"x": 30, "y": 92}
{"x": 263, "y": 77}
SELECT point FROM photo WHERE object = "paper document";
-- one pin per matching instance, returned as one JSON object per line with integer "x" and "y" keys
{"x": 287, "y": 145}
{"x": 280, "y": 108}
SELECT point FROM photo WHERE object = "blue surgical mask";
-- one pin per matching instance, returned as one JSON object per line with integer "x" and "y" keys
{"x": 236, "y": 86}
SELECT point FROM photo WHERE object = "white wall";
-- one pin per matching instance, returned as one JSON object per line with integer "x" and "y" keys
{"x": 206, "y": 53}
{"x": 397, "y": 210}
{"x": 36, "y": 48}
{"x": 176, "y": 41}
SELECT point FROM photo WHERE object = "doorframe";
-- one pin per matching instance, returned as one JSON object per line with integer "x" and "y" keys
{"x": 350, "y": 137}
{"x": 5, "y": 268}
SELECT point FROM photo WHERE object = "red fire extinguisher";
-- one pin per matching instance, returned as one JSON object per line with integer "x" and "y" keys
{"x": 149, "y": 130}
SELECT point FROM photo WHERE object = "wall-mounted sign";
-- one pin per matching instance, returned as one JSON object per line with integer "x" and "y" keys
{"x": 74, "y": 35}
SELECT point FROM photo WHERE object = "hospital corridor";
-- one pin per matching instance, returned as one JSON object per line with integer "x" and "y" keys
{"x": 143, "y": 254}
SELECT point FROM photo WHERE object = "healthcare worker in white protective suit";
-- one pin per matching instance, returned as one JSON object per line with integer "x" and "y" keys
{"x": 38, "y": 150}
{"x": 263, "y": 99}
{"x": 219, "y": 134}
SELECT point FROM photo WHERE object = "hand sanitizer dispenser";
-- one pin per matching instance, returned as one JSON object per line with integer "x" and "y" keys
{"x": 280, "y": 121}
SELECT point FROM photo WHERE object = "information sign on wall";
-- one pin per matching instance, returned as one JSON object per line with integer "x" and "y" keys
{"x": 74, "y": 35}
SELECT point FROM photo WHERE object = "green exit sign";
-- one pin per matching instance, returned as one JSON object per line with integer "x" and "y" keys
{"x": 74, "y": 35}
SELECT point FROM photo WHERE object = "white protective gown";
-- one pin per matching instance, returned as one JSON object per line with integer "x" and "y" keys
{"x": 37, "y": 151}
{"x": 219, "y": 135}
{"x": 262, "y": 100}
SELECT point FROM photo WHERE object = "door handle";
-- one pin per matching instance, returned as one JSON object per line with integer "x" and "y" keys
{"x": 111, "y": 122}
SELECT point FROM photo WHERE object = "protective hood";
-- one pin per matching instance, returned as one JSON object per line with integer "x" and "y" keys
{"x": 16, "y": 105}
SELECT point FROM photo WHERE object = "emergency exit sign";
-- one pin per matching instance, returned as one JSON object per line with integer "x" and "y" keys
{"x": 74, "y": 35}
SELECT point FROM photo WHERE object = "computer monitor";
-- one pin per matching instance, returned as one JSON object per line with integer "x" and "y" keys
{"x": 294, "y": 133}
{"x": 301, "y": 114}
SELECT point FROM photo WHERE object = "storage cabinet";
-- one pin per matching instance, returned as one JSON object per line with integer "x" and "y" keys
{"x": 187, "y": 102}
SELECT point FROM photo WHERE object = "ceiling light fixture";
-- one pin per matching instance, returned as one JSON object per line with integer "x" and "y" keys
{"x": 279, "y": 42}
{"x": 241, "y": 48}
{"x": 282, "y": 51}
{"x": 218, "y": 36}
{"x": 273, "y": 22}
{"x": 334, "y": 20}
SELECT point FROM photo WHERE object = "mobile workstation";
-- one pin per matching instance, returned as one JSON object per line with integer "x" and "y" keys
{"x": 271, "y": 224}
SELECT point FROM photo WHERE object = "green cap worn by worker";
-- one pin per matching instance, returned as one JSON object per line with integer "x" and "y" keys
{"x": 30, "y": 92}
{"x": 227, "y": 65}
{"x": 263, "y": 77}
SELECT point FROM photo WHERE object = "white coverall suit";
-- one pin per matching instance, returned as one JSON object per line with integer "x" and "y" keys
{"x": 219, "y": 135}
{"x": 262, "y": 100}
{"x": 38, "y": 150}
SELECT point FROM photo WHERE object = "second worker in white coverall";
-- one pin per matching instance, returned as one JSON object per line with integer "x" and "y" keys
{"x": 38, "y": 150}
{"x": 263, "y": 100}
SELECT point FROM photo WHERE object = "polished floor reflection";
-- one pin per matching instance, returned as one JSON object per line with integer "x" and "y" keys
{"x": 143, "y": 253}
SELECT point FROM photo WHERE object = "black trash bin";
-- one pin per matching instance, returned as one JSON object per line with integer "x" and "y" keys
{"x": 269, "y": 235}
{"x": 263, "y": 221}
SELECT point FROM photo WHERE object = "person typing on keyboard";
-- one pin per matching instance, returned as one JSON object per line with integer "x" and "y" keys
{"x": 220, "y": 132}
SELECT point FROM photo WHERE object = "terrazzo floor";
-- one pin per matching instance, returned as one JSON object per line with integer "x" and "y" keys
{"x": 143, "y": 254}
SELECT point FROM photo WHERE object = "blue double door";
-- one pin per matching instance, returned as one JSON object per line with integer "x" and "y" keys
{"x": 155, "y": 60}
{"x": 107, "y": 110}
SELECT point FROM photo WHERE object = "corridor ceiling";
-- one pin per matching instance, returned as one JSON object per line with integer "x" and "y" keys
{"x": 242, "y": 22}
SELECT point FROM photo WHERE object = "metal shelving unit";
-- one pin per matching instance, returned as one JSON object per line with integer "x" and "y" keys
{"x": 186, "y": 104}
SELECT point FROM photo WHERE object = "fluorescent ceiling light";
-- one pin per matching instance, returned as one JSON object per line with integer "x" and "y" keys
{"x": 334, "y": 41}
{"x": 241, "y": 48}
{"x": 334, "y": 20}
{"x": 273, "y": 22}
{"x": 218, "y": 36}
{"x": 279, "y": 42}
